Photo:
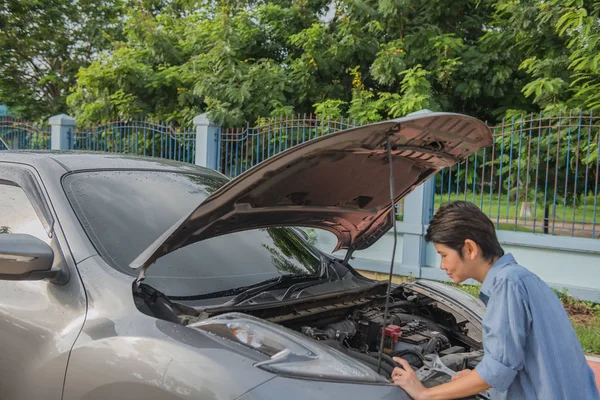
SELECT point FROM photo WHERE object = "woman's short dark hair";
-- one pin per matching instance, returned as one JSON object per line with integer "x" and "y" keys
{"x": 457, "y": 221}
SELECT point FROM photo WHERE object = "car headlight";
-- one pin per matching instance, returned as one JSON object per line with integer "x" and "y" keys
{"x": 290, "y": 352}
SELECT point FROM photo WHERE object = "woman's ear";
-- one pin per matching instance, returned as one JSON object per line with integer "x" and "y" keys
{"x": 471, "y": 249}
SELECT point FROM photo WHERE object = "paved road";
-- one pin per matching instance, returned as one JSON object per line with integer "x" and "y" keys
{"x": 595, "y": 364}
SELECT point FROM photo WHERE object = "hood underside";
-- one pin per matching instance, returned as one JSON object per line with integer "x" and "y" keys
{"x": 339, "y": 182}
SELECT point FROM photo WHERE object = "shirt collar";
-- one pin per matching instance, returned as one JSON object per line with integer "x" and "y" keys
{"x": 488, "y": 281}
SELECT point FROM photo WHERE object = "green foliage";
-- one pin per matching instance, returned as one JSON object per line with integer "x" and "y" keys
{"x": 238, "y": 61}
{"x": 589, "y": 334}
{"x": 329, "y": 109}
{"x": 473, "y": 290}
{"x": 367, "y": 60}
{"x": 416, "y": 92}
{"x": 42, "y": 46}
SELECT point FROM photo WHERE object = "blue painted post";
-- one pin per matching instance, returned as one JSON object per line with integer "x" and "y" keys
{"x": 206, "y": 142}
{"x": 418, "y": 207}
{"x": 61, "y": 132}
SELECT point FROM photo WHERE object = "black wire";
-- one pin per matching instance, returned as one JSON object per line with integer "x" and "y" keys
{"x": 389, "y": 288}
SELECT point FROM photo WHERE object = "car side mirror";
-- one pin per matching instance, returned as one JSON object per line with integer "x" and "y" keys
{"x": 25, "y": 257}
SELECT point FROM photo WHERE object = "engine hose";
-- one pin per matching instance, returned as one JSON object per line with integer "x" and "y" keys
{"x": 432, "y": 345}
{"x": 402, "y": 317}
{"x": 416, "y": 353}
{"x": 385, "y": 358}
{"x": 403, "y": 304}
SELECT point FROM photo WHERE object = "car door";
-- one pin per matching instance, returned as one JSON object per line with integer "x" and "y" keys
{"x": 39, "y": 319}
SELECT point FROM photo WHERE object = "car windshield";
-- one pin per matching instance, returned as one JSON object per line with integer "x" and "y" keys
{"x": 123, "y": 212}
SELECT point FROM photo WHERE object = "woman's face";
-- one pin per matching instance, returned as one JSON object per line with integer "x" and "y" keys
{"x": 456, "y": 267}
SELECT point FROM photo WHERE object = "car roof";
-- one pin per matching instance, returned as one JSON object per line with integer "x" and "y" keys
{"x": 73, "y": 161}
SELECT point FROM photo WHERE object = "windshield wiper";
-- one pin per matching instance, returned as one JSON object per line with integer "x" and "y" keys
{"x": 244, "y": 293}
{"x": 324, "y": 274}
{"x": 283, "y": 280}
{"x": 298, "y": 282}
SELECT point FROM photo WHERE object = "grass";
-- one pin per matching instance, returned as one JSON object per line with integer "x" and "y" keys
{"x": 589, "y": 335}
{"x": 580, "y": 221}
{"x": 518, "y": 228}
{"x": 584, "y": 315}
{"x": 509, "y": 208}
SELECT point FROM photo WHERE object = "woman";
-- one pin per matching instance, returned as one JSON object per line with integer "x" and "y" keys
{"x": 530, "y": 348}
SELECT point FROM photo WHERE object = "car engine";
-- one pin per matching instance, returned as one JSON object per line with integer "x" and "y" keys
{"x": 418, "y": 340}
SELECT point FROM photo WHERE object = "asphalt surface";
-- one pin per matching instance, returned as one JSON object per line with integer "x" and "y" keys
{"x": 595, "y": 364}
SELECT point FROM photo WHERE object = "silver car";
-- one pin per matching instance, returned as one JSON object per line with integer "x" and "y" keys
{"x": 138, "y": 278}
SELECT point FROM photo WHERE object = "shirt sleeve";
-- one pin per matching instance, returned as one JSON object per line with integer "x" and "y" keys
{"x": 505, "y": 327}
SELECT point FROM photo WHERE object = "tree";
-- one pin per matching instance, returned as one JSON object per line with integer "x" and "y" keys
{"x": 226, "y": 58}
{"x": 42, "y": 46}
{"x": 579, "y": 23}
{"x": 243, "y": 60}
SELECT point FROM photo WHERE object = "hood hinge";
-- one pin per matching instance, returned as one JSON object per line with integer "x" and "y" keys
{"x": 141, "y": 277}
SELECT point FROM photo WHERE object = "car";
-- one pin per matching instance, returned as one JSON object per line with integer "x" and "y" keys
{"x": 142, "y": 278}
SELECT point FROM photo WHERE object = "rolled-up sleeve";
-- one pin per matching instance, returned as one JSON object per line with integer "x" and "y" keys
{"x": 505, "y": 326}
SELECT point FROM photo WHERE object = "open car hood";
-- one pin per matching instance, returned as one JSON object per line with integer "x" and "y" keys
{"x": 339, "y": 182}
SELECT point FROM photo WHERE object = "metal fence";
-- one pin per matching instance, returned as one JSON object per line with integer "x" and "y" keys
{"x": 17, "y": 134}
{"x": 241, "y": 149}
{"x": 144, "y": 138}
{"x": 540, "y": 175}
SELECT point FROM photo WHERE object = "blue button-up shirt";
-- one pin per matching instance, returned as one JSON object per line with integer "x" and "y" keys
{"x": 530, "y": 348}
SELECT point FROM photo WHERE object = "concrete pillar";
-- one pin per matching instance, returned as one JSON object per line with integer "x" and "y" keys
{"x": 418, "y": 207}
{"x": 62, "y": 127}
{"x": 206, "y": 142}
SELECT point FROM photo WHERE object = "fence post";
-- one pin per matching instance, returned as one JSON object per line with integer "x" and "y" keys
{"x": 417, "y": 212}
{"x": 206, "y": 143}
{"x": 61, "y": 133}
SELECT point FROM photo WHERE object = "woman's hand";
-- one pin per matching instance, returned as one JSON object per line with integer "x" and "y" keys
{"x": 466, "y": 383}
{"x": 407, "y": 379}
{"x": 461, "y": 374}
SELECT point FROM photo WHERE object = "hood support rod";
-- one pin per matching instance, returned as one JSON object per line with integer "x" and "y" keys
{"x": 393, "y": 216}
{"x": 348, "y": 255}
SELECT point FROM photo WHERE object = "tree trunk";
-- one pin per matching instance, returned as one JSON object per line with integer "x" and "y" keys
{"x": 546, "y": 219}
{"x": 526, "y": 210}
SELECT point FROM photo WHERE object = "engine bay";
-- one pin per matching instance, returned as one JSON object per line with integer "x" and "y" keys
{"x": 421, "y": 331}
{"x": 431, "y": 334}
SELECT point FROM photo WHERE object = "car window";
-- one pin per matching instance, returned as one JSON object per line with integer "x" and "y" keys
{"x": 17, "y": 215}
{"x": 123, "y": 212}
